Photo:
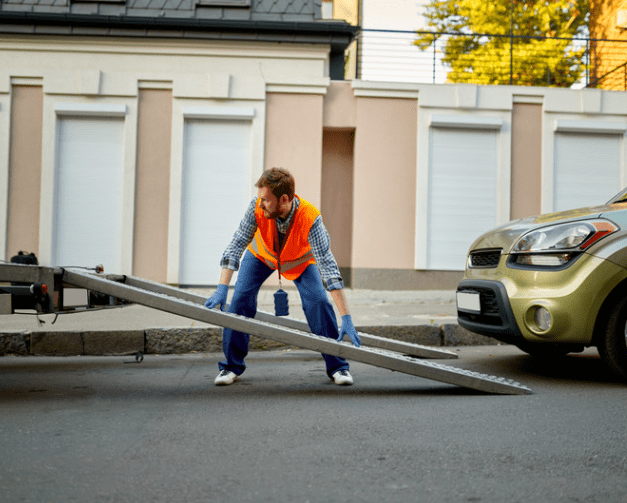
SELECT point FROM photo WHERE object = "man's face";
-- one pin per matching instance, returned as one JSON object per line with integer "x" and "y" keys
{"x": 269, "y": 203}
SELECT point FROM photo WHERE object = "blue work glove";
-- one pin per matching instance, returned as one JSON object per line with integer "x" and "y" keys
{"x": 218, "y": 298}
{"x": 349, "y": 328}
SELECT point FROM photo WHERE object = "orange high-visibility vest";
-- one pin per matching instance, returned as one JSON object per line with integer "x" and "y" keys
{"x": 295, "y": 255}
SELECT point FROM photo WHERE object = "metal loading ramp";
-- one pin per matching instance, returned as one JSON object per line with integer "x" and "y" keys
{"x": 177, "y": 302}
{"x": 406, "y": 348}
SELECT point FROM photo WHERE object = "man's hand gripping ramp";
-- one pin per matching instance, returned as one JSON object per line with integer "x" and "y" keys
{"x": 294, "y": 333}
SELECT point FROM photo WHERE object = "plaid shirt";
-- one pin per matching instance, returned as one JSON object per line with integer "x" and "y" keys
{"x": 319, "y": 241}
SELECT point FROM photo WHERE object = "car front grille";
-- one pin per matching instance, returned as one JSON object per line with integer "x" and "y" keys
{"x": 496, "y": 318}
{"x": 490, "y": 314}
{"x": 486, "y": 259}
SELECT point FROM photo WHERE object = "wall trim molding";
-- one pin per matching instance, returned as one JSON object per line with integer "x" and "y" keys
{"x": 91, "y": 109}
{"x": 594, "y": 127}
{"x": 465, "y": 121}
{"x": 224, "y": 113}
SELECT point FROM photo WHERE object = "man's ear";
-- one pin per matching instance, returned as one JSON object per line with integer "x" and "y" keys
{"x": 284, "y": 199}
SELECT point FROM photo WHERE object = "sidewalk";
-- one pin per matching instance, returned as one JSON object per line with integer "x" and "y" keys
{"x": 421, "y": 317}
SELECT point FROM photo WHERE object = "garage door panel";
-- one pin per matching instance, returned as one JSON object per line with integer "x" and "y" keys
{"x": 88, "y": 193}
{"x": 215, "y": 192}
{"x": 587, "y": 169}
{"x": 462, "y": 193}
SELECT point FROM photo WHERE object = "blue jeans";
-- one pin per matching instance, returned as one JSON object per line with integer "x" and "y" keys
{"x": 318, "y": 311}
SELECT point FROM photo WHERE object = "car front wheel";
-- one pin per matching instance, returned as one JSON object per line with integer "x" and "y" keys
{"x": 613, "y": 344}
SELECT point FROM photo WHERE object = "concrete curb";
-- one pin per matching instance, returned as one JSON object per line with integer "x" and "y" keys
{"x": 201, "y": 340}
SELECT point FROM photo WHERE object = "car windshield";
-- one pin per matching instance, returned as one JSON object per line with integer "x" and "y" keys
{"x": 621, "y": 197}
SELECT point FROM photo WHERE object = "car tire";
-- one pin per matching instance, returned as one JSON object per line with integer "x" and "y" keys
{"x": 613, "y": 344}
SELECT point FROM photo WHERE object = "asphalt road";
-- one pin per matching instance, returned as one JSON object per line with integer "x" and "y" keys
{"x": 101, "y": 429}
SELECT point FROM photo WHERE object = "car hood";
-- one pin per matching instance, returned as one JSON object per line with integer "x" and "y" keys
{"x": 505, "y": 236}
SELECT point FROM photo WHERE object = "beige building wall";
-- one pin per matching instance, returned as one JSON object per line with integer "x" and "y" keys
{"x": 384, "y": 187}
{"x": 152, "y": 183}
{"x": 294, "y": 140}
{"x": 339, "y": 110}
{"x": 108, "y": 77}
{"x": 24, "y": 170}
{"x": 359, "y": 150}
{"x": 337, "y": 195}
{"x": 339, "y": 121}
{"x": 526, "y": 194}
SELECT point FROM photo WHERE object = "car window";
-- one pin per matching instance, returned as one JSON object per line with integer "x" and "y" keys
{"x": 621, "y": 197}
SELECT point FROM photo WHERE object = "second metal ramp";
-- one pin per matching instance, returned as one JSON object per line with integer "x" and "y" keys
{"x": 122, "y": 287}
{"x": 406, "y": 348}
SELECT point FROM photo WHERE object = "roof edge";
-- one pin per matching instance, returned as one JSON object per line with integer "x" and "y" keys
{"x": 337, "y": 33}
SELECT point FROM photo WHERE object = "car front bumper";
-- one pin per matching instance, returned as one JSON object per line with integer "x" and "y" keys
{"x": 496, "y": 318}
{"x": 509, "y": 297}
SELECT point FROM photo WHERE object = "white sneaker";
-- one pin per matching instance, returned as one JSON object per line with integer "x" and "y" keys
{"x": 225, "y": 377}
{"x": 343, "y": 378}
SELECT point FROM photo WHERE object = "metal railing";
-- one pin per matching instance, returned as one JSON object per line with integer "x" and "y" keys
{"x": 391, "y": 55}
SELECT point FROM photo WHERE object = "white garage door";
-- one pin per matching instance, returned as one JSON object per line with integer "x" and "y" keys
{"x": 462, "y": 193}
{"x": 215, "y": 192}
{"x": 587, "y": 169}
{"x": 88, "y": 193}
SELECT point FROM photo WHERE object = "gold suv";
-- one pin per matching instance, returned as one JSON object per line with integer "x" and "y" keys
{"x": 552, "y": 284}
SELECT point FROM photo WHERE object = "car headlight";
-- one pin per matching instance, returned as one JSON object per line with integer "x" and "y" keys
{"x": 557, "y": 245}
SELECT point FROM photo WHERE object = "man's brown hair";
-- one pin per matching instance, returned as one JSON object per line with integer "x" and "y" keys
{"x": 279, "y": 180}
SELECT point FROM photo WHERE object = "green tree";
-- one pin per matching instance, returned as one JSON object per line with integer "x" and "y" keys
{"x": 542, "y": 52}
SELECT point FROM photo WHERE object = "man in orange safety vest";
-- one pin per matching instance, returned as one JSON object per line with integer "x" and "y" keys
{"x": 281, "y": 231}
